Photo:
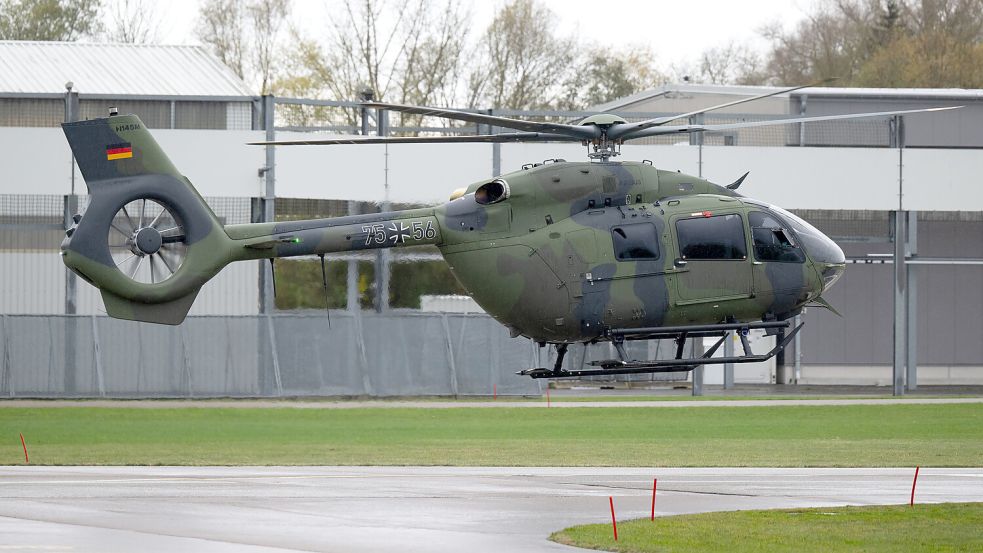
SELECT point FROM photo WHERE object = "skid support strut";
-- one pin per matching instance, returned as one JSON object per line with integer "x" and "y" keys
{"x": 678, "y": 333}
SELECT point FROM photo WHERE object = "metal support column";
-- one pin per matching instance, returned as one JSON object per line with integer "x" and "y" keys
{"x": 496, "y": 150}
{"x": 729, "y": 367}
{"x": 264, "y": 212}
{"x": 696, "y": 139}
{"x": 803, "y": 100}
{"x": 697, "y": 351}
{"x": 911, "y": 314}
{"x": 268, "y": 208}
{"x": 71, "y": 201}
{"x": 797, "y": 341}
{"x": 71, "y": 207}
{"x": 351, "y": 284}
{"x": 900, "y": 303}
{"x": 781, "y": 369}
{"x": 900, "y": 267}
{"x": 383, "y": 255}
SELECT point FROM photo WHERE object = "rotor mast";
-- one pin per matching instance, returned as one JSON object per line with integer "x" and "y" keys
{"x": 603, "y": 148}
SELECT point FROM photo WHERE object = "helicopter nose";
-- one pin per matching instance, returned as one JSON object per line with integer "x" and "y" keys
{"x": 829, "y": 259}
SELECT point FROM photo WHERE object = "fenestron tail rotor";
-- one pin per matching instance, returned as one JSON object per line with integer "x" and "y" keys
{"x": 147, "y": 241}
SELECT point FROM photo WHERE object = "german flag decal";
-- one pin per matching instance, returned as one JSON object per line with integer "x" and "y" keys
{"x": 119, "y": 151}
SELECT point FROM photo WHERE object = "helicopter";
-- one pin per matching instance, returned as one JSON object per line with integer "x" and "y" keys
{"x": 559, "y": 252}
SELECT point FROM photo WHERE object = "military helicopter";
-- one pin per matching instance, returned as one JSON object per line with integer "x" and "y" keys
{"x": 559, "y": 252}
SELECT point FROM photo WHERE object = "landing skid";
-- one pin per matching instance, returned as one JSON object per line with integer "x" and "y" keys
{"x": 678, "y": 333}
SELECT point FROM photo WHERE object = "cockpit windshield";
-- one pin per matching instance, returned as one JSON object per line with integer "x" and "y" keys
{"x": 817, "y": 244}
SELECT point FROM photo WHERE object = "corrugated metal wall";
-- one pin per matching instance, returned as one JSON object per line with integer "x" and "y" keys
{"x": 950, "y": 300}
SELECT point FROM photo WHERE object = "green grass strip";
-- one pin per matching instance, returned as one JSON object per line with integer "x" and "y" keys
{"x": 779, "y": 436}
{"x": 945, "y": 527}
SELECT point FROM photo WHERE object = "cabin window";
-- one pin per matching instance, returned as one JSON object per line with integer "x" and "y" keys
{"x": 636, "y": 241}
{"x": 772, "y": 241}
{"x": 715, "y": 237}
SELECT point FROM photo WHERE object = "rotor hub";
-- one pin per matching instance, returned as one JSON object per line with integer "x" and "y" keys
{"x": 146, "y": 241}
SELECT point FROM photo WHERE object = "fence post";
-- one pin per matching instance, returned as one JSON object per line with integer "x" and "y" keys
{"x": 276, "y": 359}
{"x": 362, "y": 357}
{"x": 97, "y": 356}
{"x": 698, "y": 371}
{"x": 450, "y": 353}
{"x": 6, "y": 381}
{"x": 186, "y": 361}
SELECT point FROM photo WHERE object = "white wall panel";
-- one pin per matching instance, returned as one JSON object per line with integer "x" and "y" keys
{"x": 417, "y": 172}
{"x": 36, "y": 161}
{"x": 221, "y": 164}
{"x": 810, "y": 178}
{"x": 943, "y": 180}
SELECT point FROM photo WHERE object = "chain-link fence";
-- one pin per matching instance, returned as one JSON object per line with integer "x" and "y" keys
{"x": 395, "y": 354}
{"x": 297, "y": 354}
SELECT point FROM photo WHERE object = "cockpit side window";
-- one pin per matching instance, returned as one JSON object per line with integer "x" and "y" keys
{"x": 773, "y": 242}
{"x": 635, "y": 241}
{"x": 716, "y": 237}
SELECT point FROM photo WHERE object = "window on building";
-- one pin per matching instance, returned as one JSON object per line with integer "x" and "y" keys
{"x": 636, "y": 241}
{"x": 716, "y": 237}
{"x": 772, "y": 241}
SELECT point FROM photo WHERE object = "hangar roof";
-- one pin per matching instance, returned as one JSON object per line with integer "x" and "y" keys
{"x": 743, "y": 90}
{"x": 28, "y": 67}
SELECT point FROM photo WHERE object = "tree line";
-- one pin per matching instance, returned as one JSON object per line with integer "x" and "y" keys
{"x": 428, "y": 52}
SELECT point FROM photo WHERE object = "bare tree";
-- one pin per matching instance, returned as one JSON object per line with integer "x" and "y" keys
{"x": 430, "y": 67}
{"x": 222, "y": 25}
{"x": 602, "y": 75}
{"x": 401, "y": 50}
{"x": 132, "y": 21}
{"x": 520, "y": 63}
{"x": 267, "y": 17}
{"x": 49, "y": 19}
{"x": 244, "y": 35}
{"x": 727, "y": 64}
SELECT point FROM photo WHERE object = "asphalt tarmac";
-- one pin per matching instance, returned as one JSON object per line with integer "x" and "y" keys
{"x": 380, "y": 509}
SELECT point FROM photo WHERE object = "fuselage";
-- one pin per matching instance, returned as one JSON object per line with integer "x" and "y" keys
{"x": 570, "y": 250}
{"x": 558, "y": 251}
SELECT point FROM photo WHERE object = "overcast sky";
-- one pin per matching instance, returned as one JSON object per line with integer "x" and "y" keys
{"x": 677, "y": 31}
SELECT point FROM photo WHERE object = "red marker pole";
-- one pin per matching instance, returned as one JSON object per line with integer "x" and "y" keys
{"x": 547, "y": 396}
{"x": 494, "y": 391}
{"x": 655, "y": 483}
{"x": 24, "y": 445}
{"x": 913, "y": 482}
{"x": 614, "y": 521}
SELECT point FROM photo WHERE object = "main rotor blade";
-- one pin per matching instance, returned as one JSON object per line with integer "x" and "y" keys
{"x": 657, "y": 131}
{"x": 504, "y": 137}
{"x": 627, "y": 130}
{"x": 584, "y": 132}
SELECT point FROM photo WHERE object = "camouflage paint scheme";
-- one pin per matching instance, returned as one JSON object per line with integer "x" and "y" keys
{"x": 541, "y": 259}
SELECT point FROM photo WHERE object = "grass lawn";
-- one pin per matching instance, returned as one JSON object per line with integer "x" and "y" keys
{"x": 779, "y": 436}
{"x": 687, "y": 397}
{"x": 949, "y": 527}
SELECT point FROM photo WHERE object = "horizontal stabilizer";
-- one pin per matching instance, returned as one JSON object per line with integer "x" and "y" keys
{"x": 169, "y": 313}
